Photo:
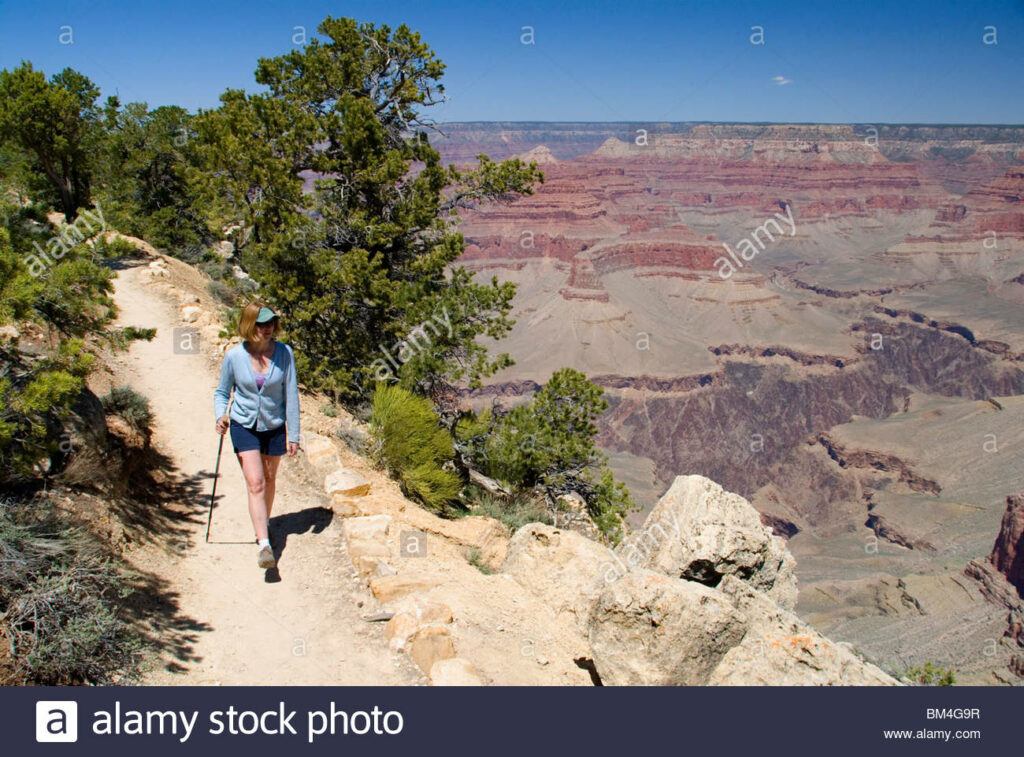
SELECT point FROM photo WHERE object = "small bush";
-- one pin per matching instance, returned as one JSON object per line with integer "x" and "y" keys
{"x": 216, "y": 269}
{"x": 193, "y": 254}
{"x": 114, "y": 248}
{"x": 131, "y": 407}
{"x": 229, "y": 317}
{"x": 930, "y": 674}
{"x": 514, "y": 510}
{"x": 221, "y": 292}
{"x": 59, "y": 601}
{"x": 475, "y": 558}
{"x": 409, "y": 441}
{"x": 549, "y": 443}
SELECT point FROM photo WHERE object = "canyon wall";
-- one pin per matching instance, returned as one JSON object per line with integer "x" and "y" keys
{"x": 825, "y": 319}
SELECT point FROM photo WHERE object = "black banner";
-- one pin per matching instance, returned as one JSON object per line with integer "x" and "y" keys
{"x": 528, "y": 722}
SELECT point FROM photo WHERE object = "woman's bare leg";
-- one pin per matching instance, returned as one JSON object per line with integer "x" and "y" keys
{"x": 256, "y": 485}
{"x": 270, "y": 463}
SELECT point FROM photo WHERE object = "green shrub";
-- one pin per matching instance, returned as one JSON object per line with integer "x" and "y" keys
{"x": 475, "y": 558}
{"x": 121, "y": 339}
{"x": 114, "y": 248}
{"x": 59, "y": 601}
{"x": 515, "y": 510}
{"x": 409, "y": 441}
{"x": 69, "y": 299}
{"x": 229, "y": 317}
{"x": 930, "y": 674}
{"x": 132, "y": 407}
{"x": 548, "y": 443}
{"x": 193, "y": 254}
{"x": 216, "y": 268}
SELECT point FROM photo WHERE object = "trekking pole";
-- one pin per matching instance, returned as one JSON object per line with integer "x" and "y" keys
{"x": 213, "y": 495}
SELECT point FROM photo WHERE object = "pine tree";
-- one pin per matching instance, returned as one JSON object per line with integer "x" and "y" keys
{"x": 368, "y": 256}
{"x": 57, "y": 124}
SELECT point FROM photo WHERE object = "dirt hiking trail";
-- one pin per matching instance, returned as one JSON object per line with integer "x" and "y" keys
{"x": 302, "y": 623}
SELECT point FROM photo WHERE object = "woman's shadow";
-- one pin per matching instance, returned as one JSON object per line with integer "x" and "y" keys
{"x": 314, "y": 519}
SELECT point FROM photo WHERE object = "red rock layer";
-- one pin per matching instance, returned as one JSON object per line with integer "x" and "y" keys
{"x": 1008, "y": 552}
{"x": 996, "y": 206}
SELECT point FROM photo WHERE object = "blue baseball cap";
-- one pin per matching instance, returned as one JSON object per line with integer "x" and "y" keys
{"x": 266, "y": 315}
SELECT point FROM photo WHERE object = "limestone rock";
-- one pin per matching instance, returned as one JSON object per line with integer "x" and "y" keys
{"x": 488, "y": 535}
{"x": 368, "y": 556}
{"x": 390, "y": 588}
{"x": 429, "y": 645}
{"x": 366, "y": 541}
{"x": 347, "y": 482}
{"x": 358, "y": 504}
{"x": 563, "y": 568}
{"x": 190, "y": 313}
{"x": 320, "y": 452}
{"x": 700, "y": 532}
{"x": 781, "y": 650}
{"x": 369, "y": 527}
{"x": 454, "y": 671}
{"x": 405, "y": 624}
{"x": 650, "y": 629}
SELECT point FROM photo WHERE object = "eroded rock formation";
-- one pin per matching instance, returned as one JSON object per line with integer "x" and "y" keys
{"x": 702, "y": 594}
{"x": 1008, "y": 553}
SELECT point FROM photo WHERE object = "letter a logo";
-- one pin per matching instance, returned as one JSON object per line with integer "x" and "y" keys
{"x": 56, "y": 721}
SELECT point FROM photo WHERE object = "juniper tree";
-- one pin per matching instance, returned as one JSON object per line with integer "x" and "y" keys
{"x": 56, "y": 124}
{"x": 142, "y": 180}
{"x": 368, "y": 252}
{"x": 549, "y": 444}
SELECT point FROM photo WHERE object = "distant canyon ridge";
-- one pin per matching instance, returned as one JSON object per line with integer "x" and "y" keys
{"x": 860, "y": 379}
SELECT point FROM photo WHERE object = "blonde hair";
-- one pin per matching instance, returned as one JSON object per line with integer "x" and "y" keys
{"x": 247, "y": 322}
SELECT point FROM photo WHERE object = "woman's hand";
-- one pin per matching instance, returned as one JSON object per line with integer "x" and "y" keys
{"x": 293, "y": 449}
{"x": 222, "y": 425}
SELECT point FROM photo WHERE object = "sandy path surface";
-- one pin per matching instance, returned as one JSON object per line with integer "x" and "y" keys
{"x": 300, "y": 624}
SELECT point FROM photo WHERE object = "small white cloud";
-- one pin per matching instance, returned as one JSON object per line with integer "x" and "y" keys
{"x": 781, "y": 80}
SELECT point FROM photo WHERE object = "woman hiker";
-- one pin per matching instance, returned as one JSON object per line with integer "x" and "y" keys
{"x": 265, "y": 411}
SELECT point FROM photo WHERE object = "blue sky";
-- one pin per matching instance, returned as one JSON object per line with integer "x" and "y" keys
{"x": 911, "y": 61}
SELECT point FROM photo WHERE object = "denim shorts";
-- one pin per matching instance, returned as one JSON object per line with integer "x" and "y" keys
{"x": 270, "y": 442}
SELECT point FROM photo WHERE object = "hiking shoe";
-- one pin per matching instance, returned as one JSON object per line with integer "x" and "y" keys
{"x": 265, "y": 559}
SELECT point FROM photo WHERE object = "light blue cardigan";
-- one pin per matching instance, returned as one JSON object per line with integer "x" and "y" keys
{"x": 268, "y": 408}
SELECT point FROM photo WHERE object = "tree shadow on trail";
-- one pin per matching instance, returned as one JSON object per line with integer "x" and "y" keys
{"x": 163, "y": 504}
{"x": 155, "y": 611}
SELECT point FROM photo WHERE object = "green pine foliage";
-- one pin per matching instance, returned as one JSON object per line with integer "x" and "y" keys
{"x": 62, "y": 307}
{"x": 548, "y": 444}
{"x": 409, "y": 441}
{"x": 930, "y": 674}
{"x": 369, "y": 256}
{"x": 143, "y": 179}
{"x": 55, "y": 125}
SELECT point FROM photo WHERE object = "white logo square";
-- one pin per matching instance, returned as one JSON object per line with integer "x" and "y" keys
{"x": 57, "y": 721}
